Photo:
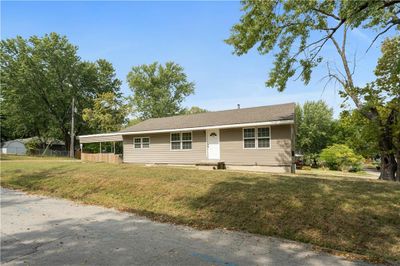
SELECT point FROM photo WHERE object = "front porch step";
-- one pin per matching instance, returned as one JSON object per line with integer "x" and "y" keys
{"x": 216, "y": 163}
{"x": 208, "y": 163}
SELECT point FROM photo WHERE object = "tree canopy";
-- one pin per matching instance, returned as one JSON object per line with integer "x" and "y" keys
{"x": 357, "y": 132}
{"x": 159, "y": 90}
{"x": 300, "y": 29}
{"x": 314, "y": 123}
{"x": 381, "y": 98}
{"x": 297, "y": 31}
{"x": 108, "y": 113}
{"x": 40, "y": 77}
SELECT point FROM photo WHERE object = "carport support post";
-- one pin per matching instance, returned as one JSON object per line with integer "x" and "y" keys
{"x": 100, "y": 147}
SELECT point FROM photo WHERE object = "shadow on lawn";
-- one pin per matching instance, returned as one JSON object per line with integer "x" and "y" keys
{"x": 31, "y": 181}
{"x": 348, "y": 215}
{"x": 102, "y": 237}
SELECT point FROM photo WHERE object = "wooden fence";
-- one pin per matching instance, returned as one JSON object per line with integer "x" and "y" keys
{"x": 101, "y": 157}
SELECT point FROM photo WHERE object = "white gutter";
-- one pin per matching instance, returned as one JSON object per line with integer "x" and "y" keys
{"x": 100, "y": 135}
{"x": 271, "y": 123}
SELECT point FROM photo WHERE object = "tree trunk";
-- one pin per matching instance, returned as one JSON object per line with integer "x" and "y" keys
{"x": 67, "y": 140}
{"x": 388, "y": 166}
{"x": 398, "y": 166}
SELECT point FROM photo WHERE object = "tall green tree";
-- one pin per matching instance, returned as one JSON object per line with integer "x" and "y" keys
{"x": 108, "y": 113}
{"x": 382, "y": 99}
{"x": 40, "y": 76}
{"x": 159, "y": 90}
{"x": 357, "y": 132}
{"x": 314, "y": 122}
{"x": 299, "y": 30}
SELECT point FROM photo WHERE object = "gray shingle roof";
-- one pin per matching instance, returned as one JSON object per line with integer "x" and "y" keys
{"x": 228, "y": 117}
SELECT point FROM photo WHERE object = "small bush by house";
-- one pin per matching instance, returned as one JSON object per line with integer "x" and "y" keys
{"x": 341, "y": 157}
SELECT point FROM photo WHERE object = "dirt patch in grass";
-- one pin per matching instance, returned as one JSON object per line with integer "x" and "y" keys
{"x": 335, "y": 212}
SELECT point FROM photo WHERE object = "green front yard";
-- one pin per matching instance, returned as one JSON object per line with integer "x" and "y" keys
{"x": 11, "y": 157}
{"x": 336, "y": 212}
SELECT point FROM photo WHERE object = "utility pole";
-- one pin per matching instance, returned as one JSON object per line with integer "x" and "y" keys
{"x": 72, "y": 144}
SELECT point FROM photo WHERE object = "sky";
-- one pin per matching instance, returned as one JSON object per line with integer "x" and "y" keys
{"x": 189, "y": 33}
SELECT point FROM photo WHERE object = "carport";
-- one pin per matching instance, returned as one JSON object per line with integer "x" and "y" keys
{"x": 101, "y": 148}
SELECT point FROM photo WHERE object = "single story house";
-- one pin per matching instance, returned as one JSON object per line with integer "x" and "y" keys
{"x": 262, "y": 137}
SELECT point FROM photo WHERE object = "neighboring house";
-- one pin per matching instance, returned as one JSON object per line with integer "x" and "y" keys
{"x": 13, "y": 147}
{"x": 18, "y": 146}
{"x": 260, "y": 136}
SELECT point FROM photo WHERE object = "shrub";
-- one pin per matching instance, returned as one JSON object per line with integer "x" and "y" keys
{"x": 32, "y": 145}
{"x": 341, "y": 157}
{"x": 357, "y": 168}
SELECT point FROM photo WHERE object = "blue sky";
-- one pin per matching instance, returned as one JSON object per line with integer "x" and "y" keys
{"x": 189, "y": 33}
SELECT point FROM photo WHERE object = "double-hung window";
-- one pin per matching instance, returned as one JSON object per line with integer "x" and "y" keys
{"x": 145, "y": 143}
{"x": 141, "y": 143}
{"x": 181, "y": 141}
{"x": 249, "y": 138}
{"x": 187, "y": 140}
{"x": 263, "y": 137}
{"x": 175, "y": 141}
{"x": 256, "y": 138}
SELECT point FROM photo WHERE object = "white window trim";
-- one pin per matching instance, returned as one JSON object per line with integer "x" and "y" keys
{"x": 141, "y": 142}
{"x": 180, "y": 141}
{"x": 269, "y": 138}
{"x": 256, "y": 138}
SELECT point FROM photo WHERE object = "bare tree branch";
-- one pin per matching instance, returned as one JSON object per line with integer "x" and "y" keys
{"x": 342, "y": 21}
{"x": 378, "y": 35}
{"x": 354, "y": 62}
{"x": 340, "y": 72}
{"x": 336, "y": 77}
{"x": 326, "y": 13}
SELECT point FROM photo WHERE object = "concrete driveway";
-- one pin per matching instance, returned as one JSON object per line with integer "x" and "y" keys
{"x": 46, "y": 231}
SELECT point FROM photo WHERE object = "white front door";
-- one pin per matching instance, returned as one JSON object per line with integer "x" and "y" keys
{"x": 213, "y": 144}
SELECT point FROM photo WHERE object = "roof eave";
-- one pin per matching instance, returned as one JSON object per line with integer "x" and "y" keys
{"x": 254, "y": 124}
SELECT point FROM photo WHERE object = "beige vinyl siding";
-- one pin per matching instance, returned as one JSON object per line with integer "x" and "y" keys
{"x": 99, "y": 138}
{"x": 232, "y": 151}
{"x": 160, "y": 150}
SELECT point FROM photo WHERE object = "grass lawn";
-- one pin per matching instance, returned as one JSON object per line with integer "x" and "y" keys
{"x": 8, "y": 157}
{"x": 326, "y": 173}
{"x": 343, "y": 213}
